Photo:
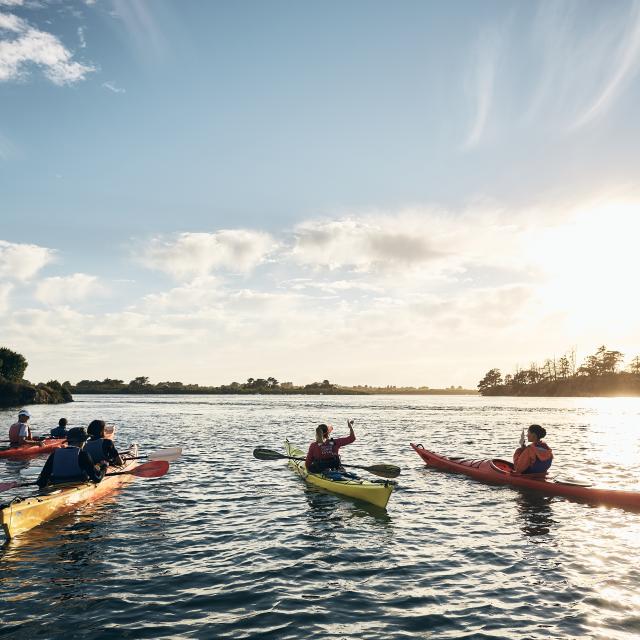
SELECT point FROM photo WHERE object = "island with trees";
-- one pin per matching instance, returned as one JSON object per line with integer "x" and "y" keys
{"x": 601, "y": 374}
{"x": 15, "y": 391}
{"x": 270, "y": 385}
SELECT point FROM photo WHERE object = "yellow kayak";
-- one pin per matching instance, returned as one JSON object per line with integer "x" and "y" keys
{"x": 376, "y": 493}
{"x": 22, "y": 514}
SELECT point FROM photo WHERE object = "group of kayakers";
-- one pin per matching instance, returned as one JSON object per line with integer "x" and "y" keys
{"x": 88, "y": 453}
{"x": 86, "y": 456}
{"x": 323, "y": 454}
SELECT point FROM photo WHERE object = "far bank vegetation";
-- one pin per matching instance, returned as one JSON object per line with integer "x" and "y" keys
{"x": 270, "y": 385}
{"x": 601, "y": 374}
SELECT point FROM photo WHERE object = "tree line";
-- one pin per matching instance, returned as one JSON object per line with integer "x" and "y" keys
{"x": 15, "y": 390}
{"x": 270, "y": 385}
{"x": 601, "y": 373}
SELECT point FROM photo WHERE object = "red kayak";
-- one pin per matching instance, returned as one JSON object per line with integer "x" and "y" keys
{"x": 48, "y": 445}
{"x": 496, "y": 471}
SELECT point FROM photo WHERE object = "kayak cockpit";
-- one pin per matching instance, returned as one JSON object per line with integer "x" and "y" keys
{"x": 502, "y": 466}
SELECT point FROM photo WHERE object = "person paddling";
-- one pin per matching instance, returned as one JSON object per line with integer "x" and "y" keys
{"x": 535, "y": 457}
{"x": 70, "y": 463}
{"x": 323, "y": 453}
{"x": 101, "y": 449}
{"x": 61, "y": 430}
{"x": 20, "y": 432}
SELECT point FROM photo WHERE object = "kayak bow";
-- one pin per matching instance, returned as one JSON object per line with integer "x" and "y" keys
{"x": 496, "y": 471}
{"x": 22, "y": 514}
{"x": 375, "y": 493}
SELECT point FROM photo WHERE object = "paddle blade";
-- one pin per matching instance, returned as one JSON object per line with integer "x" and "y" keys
{"x": 5, "y": 486}
{"x": 384, "y": 470}
{"x": 170, "y": 455}
{"x": 267, "y": 454}
{"x": 153, "y": 469}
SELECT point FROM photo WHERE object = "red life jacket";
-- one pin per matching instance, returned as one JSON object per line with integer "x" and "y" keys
{"x": 14, "y": 433}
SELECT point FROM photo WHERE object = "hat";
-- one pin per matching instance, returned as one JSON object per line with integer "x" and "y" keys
{"x": 24, "y": 412}
{"x": 77, "y": 434}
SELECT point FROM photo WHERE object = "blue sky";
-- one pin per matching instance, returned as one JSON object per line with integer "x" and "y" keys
{"x": 401, "y": 193}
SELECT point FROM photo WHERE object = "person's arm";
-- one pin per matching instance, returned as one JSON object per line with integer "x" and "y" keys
{"x": 340, "y": 442}
{"x": 310, "y": 457}
{"x": 111, "y": 453}
{"x": 86, "y": 464}
{"x": 45, "y": 474}
{"x": 523, "y": 459}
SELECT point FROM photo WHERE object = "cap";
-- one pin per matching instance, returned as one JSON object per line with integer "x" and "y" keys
{"x": 24, "y": 412}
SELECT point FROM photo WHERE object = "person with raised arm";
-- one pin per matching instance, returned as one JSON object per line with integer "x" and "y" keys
{"x": 323, "y": 454}
{"x": 535, "y": 458}
{"x": 101, "y": 449}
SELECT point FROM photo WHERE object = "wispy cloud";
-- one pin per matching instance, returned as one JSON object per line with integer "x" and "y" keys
{"x": 482, "y": 82}
{"x": 32, "y": 47}
{"x": 624, "y": 65}
{"x": 111, "y": 86}
{"x": 81, "y": 38}
{"x": 5, "y": 290}
{"x": 585, "y": 64}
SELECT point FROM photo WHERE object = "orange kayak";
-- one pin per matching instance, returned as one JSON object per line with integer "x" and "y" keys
{"x": 496, "y": 471}
{"x": 48, "y": 445}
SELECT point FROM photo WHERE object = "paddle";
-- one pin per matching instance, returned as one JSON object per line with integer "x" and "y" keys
{"x": 382, "y": 470}
{"x": 151, "y": 469}
{"x": 170, "y": 455}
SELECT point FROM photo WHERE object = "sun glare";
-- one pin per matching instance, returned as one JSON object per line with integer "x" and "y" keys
{"x": 587, "y": 264}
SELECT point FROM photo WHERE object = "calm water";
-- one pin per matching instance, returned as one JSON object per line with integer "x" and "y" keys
{"x": 226, "y": 546}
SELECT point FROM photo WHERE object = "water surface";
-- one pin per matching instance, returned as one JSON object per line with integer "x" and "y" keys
{"x": 226, "y": 546}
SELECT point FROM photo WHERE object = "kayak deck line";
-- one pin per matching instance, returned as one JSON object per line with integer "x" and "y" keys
{"x": 24, "y": 513}
{"x": 497, "y": 471}
{"x": 375, "y": 492}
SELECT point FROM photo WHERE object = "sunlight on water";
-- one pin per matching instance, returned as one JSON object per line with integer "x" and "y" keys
{"x": 226, "y": 546}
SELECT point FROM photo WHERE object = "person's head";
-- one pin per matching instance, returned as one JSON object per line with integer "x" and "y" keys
{"x": 23, "y": 415}
{"x": 96, "y": 429}
{"x": 62, "y": 422}
{"x": 76, "y": 437}
{"x": 536, "y": 432}
{"x": 322, "y": 433}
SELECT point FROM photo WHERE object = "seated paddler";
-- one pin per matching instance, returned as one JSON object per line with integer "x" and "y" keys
{"x": 101, "y": 449}
{"x": 536, "y": 457}
{"x": 70, "y": 463}
{"x": 323, "y": 454}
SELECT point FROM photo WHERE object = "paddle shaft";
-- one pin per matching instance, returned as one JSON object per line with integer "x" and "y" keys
{"x": 384, "y": 471}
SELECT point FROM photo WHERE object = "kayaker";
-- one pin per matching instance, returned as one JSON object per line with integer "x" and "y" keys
{"x": 323, "y": 453}
{"x": 535, "y": 457}
{"x": 101, "y": 449}
{"x": 20, "y": 432}
{"x": 61, "y": 430}
{"x": 70, "y": 463}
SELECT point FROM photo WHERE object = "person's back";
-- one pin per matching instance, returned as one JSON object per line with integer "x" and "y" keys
{"x": 61, "y": 430}
{"x": 70, "y": 463}
{"x": 101, "y": 449}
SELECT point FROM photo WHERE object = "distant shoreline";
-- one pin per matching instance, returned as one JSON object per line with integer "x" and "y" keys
{"x": 340, "y": 392}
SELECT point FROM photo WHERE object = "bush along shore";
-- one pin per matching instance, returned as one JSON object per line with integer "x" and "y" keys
{"x": 601, "y": 374}
{"x": 141, "y": 385}
{"x": 15, "y": 391}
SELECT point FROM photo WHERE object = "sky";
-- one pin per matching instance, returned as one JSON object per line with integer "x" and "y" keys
{"x": 405, "y": 193}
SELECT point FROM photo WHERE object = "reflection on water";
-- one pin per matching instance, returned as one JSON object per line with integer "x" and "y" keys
{"x": 225, "y": 546}
{"x": 536, "y": 515}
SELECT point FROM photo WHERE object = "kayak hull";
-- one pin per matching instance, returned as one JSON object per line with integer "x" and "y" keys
{"x": 375, "y": 493}
{"x": 48, "y": 445}
{"x": 21, "y": 515}
{"x": 496, "y": 471}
